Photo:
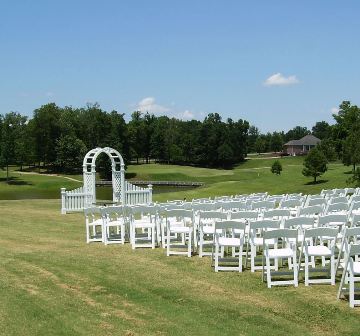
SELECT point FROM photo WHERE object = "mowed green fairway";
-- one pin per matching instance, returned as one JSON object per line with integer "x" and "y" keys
{"x": 53, "y": 283}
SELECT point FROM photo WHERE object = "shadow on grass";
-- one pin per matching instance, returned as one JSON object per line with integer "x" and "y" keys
{"x": 14, "y": 181}
{"x": 349, "y": 172}
{"x": 130, "y": 175}
{"x": 316, "y": 182}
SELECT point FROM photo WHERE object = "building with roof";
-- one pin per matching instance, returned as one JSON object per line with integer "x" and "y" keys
{"x": 302, "y": 146}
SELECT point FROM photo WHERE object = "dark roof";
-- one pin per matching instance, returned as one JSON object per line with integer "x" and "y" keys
{"x": 307, "y": 140}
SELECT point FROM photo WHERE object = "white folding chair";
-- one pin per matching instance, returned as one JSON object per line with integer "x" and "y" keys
{"x": 207, "y": 221}
{"x": 315, "y": 247}
{"x": 256, "y": 229}
{"x": 352, "y": 273}
{"x": 143, "y": 226}
{"x": 93, "y": 225}
{"x": 225, "y": 237}
{"x": 179, "y": 230}
{"x": 276, "y": 245}
{"x": 350, "y": 236}
{"x": 114, "y": 225}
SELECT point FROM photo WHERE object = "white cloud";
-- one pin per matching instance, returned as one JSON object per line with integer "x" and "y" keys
{"x": 334, "y": 110}
{"x": 148, "y": 104}
{"x": 279, "y": 80}
{"x": 187, "y": 115}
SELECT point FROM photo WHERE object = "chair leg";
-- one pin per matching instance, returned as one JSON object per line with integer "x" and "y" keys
{"x": 351, "y": 291}
{"x": 216, "y": 257}
{"x": 306, "y": 270}
{"x": 189, "y": 245}
{"x": 201, "y": 241}
{"x": 240, "y": 258}
{"x": 296, "y": 276}
{"x": 332, "y": 269}
{"x": 253, "y": 256}
{"x": 268, "y": 272}
{"x": 168, "y": 242}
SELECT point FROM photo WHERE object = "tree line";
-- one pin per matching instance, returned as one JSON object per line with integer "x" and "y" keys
{"x": 58, "y": 137}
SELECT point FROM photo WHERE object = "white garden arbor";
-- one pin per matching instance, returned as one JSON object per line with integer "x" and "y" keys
{"x": 123, "y": 192}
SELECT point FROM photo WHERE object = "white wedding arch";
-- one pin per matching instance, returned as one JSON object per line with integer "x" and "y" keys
{"x": 123, "y": 192}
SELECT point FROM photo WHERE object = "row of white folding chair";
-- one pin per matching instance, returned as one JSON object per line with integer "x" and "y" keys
{"x": 105, "y": 224}
{"x": 260, "y": 231}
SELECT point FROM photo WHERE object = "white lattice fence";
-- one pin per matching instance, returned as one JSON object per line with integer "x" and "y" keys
{"x": 75, "y": 200}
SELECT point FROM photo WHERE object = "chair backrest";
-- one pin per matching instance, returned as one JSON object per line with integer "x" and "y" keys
{"x": 244, "y": 215}
{"x": 237, "y": 205}
{"x": 327, "y": 192}
{"x": 353, "y": 232}
{"x": 299, "y": 222}
{"x": 280, "y": 233}
{"x": 179, "y": 213}
{"x": 212, "y": 215}
{"x": 229, "y": 225}
{"x": 338, "y": 199}
{"x": 310, "y": 210}
{"x": 262, "y": 205}
{"x": 355, "y": 220}
{"x": 354, "y": 250}
{"x": 204, "y": 206}
{"x": 354, "y": 206}
{"x": 276, "y": 198}
{"x": 317, "y": 201}
{"x": 355, "y": 198}
{"x": 350, "y": 191}
{"x": 321, "y": 232}
{"x": 332, "y": 220}
{"x": 276, "y": 213}
{"x": 294, "y": 196}
{"x": 339, "y": 192}
{"x": 92, "y": 211}
{"x": 336, "y": 207}
{"x": 290, "y": 203}
{"x": 264, "y": 224}
{"x": 110, "y": 211}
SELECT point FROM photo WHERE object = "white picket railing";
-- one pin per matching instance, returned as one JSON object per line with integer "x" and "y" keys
{"x": 78, "y": 200}
{"x": 137, "y": 195}
{"x": 74, "y": 200}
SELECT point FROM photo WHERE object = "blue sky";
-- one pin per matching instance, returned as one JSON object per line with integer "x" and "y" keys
{"x": 277, "y": 64}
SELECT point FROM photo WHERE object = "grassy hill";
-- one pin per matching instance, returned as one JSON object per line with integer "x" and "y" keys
{"x": 53, "y": 283}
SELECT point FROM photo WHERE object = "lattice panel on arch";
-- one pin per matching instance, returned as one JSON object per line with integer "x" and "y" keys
{"x": 89, "y": 179}
{"x": 116, "y": 182}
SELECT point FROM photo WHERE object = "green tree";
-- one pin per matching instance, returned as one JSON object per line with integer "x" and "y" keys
{"x": 355, "y": 178}
{"x": 70, "y": 152}
{"x": 225, "y": 155}
{"x": 260, "y": 145}
{"x": 296, "y": 133}
{"x": 327, "y": 146}
{"x": 322, "y": 130}
{"x": 276, "y": 167}
{"x": 315, "y": 164}
{"x": 13, "y": 140}
{"x": 351, "y": 147}
{"x": 46, "y": 128}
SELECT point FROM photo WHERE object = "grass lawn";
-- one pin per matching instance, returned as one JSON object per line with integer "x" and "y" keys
{"x": 53, "y": 283}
